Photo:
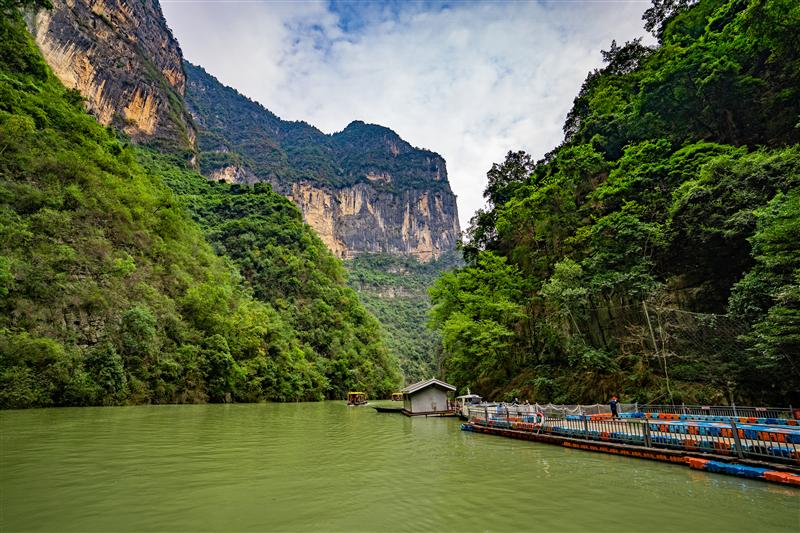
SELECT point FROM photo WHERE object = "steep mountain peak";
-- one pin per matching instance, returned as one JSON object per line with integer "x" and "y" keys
{"x": 198, "y": 72}
{"x": 360, "y": 127}
{"x": 363, "y": 189}
{"x": 359, "y": 135}
{"x": 356, "y": 124}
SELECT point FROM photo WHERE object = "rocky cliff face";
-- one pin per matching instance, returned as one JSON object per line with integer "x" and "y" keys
{"x": 364, "y": 189}
{"x": 123, "y": 59}
{"x": 362, "y": 219}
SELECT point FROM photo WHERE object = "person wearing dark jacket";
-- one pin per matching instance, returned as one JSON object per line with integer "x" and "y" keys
{"x": 614, "y": 403}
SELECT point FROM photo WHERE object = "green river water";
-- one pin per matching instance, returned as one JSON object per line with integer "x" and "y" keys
{"x": 327, "y": 467}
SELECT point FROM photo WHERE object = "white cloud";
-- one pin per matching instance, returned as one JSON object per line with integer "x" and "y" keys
{"x": 470, "y": 81}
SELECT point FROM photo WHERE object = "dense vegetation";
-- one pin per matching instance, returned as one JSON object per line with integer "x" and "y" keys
{"x": 235, "y": 130}
{"x": 289, "y": 267}
{"x": 656, "y": 252}
{"x": 109, "y": 292}
{"x": 394, "y": 289}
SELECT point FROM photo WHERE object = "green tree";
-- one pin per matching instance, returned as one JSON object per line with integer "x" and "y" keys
{"x": 662, "y": 228}
{"x": 769, "y": 297}
{"x": 138, "y": 336}
{"x": 106, "y": 369}
{"x": 221, "y": 371}
{"x": 477, "y": 309}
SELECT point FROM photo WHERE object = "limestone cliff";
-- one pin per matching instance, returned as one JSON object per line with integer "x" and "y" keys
{"x": 364, "y": 189}
{"x": 123, "y": 59}
{"x": 362, "y": 219}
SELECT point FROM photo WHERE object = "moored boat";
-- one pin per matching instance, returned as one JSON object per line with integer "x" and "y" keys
{"x": 382, "y": 409}
{"x": 356, "y": 398}
{"x": 463, "y": 403}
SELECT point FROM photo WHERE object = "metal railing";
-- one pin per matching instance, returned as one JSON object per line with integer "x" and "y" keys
{"x": 721, "y": 411}
{"x": 771, "y": 443}
{"x": 775, "y": 414}
{"x": 594, "y": 409}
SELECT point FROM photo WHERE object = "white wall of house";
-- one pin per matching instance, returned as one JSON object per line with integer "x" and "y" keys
{"x": 428, "y": 400}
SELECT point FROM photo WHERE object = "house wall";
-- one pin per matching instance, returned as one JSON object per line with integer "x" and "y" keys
{"x": 428, "y": 400}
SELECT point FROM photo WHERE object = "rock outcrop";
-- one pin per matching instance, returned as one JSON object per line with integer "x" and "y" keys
{"x": 364, "y": 189}
{"x": 362, "y": 219}
{"x": 123, "y": 59}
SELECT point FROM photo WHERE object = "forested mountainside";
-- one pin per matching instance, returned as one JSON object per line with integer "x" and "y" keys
{"x": 654, "y": 254}
{"x": 395, "y": 290}
{"x": 240, "y": 132}
{"x": 109, "y": 292}
{"x": 288, "y": 267}
{"x": 364, "y": 189}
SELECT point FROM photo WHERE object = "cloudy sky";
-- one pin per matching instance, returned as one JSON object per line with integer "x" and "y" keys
{"x": 470, "y": 80}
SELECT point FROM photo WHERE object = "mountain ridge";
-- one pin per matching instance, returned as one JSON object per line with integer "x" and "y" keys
{"x": 363, "y": 189}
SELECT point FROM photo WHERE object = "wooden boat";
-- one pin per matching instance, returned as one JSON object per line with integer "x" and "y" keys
{"x": 388, "y": 409}
{"x": 356, "y": 398}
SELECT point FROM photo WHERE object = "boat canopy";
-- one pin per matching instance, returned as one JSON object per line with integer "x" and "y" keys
{"x": 356, "y": 398}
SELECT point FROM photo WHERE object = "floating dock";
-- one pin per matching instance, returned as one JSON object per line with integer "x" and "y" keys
{"x": 401, "y": 410}
{"x": 749, "y": 448}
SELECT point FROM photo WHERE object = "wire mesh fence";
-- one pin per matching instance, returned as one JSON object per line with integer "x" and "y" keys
{"x": 669, "y": 339}
{"x": 776, "y": 415}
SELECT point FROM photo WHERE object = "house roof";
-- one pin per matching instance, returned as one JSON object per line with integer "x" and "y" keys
{"x": 427, "y": 383}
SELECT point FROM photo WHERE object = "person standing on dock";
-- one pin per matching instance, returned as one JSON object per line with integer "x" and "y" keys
{"x": 613, "y": 404}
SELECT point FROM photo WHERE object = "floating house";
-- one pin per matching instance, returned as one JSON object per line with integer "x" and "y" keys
{"x": 430, "y": 397}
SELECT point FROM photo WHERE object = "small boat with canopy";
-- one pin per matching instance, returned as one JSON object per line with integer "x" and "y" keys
{"x": 356, "y": 398}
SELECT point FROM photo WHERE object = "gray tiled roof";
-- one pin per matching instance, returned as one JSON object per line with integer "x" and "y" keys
{"x": 427, "y": 383}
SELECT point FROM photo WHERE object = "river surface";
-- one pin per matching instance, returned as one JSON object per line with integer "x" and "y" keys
{"x": 328, "y": 467}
